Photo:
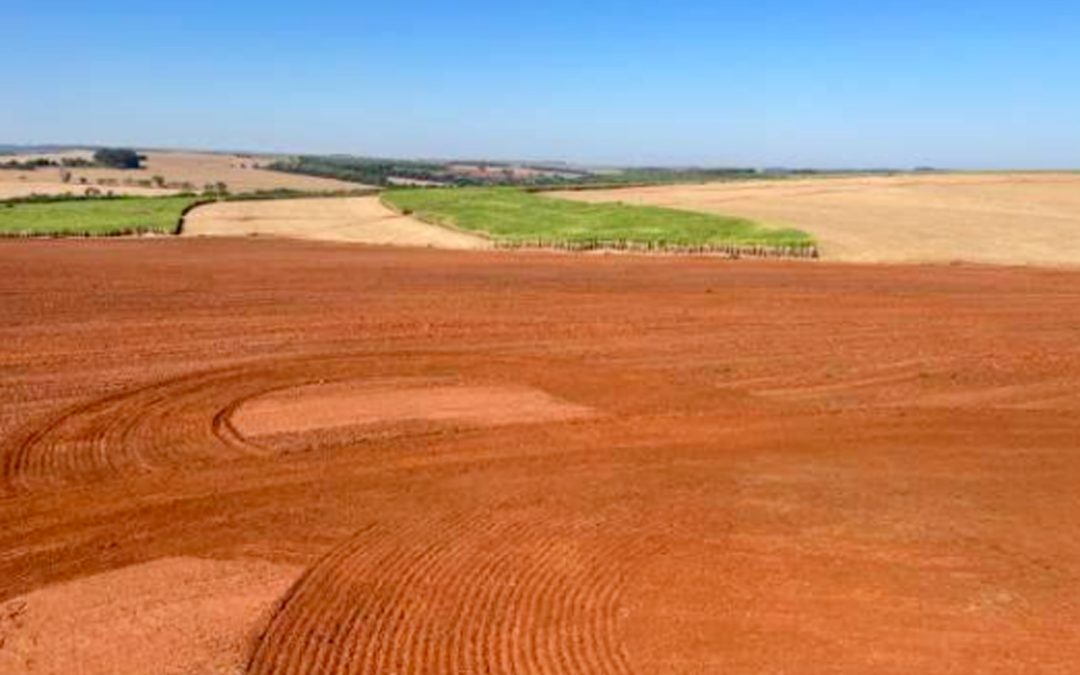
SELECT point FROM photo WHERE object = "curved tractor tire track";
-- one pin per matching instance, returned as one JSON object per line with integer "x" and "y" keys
{"x": 179, "y": 422}
{"x": 133, "y": 431}
{"x": 482, "y": 595}
{"x": 838, "y": 468}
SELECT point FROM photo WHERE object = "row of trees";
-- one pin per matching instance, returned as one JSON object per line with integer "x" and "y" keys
{"x": 45, "y": 163}
{"x": 371, "y": 171}
{"x": 113, "y": 158}
{"x": 384, "y": 171}
{"x": 219, "y": 188}
{"x": 360, "y": 170}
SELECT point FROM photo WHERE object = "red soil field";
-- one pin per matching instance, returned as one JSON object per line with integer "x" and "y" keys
{"x": 299, "y": 457}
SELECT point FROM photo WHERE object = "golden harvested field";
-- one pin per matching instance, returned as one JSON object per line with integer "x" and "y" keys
{"x": 47, "y": 182}
{"x": 356, "y": 219}
{"x": 1017, "y": 218}
{"x": 349, "y": 219}
{"x": 240, "y": 174}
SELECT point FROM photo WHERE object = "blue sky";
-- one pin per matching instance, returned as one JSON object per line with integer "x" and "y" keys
{"x": 986, "y": 84}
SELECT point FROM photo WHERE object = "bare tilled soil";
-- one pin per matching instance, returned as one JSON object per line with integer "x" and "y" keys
{"x": 1021, "y": 218}
{"x": 237, "y": 455}
{"x": 362, "y": 220}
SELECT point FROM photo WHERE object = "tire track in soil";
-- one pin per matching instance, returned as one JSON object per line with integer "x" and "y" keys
{"x": 467, "y": 594}
{"x": 477, "y": 595}
{"x": 178, "y": 422}
{"x": 172, "y": 423}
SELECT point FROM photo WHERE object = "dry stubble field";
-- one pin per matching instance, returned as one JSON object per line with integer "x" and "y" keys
{"x": 347, "y": 219}
{"x": 297, "y": 457}
{"x": 1018, "y": 218}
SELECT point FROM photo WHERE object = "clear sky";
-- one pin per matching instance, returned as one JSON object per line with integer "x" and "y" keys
{"x": 979, "y": 84}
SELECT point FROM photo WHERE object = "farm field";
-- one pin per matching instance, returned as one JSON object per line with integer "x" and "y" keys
{"x": 93, "y": 217}
{"x": 347, "y": 219}
{"x": 1003, "y": 218}
{"x": 265, "y": 456}
{"x": 515, "y": 216}
{"x": 239, "y": 173}
{"x": 47, "y": 182}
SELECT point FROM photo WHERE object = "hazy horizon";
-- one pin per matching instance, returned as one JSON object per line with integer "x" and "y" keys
{"x": 44, "y": 148}
{"x": 809, "y": 84}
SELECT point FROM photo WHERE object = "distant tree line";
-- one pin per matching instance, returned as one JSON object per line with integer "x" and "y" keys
{"x": 45, "y": 162}
{"x": 359, "y": 170}
{"x": 660, "y": 174}
{"x": 113, "y": 158}
{"x": 385, "y": 172}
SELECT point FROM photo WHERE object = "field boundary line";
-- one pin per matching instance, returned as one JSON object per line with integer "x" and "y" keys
{"x": 728, "y": 251}
{"x": 188, "y": 209}
{"x": 431, "y": 220}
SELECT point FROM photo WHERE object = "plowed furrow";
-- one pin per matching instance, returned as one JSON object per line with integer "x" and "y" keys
{"x": 473, "y": 594}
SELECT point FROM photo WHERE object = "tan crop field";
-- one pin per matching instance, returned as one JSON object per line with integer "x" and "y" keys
{"x": 347, "y": 219}
{"x": 239, "y": 173}
{"x": 47, "y": 182}
{"x": 1005, "y": 218}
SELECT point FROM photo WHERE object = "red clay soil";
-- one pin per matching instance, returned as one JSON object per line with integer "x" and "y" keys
{"x": 529, "y": 463}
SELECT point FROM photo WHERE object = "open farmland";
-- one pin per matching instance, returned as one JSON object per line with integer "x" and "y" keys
{"x": 19, "y": 184}
{"x": 1020, "y": 218}
{"x": 180, "y": 170}
{"x": 265, "y": 456}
